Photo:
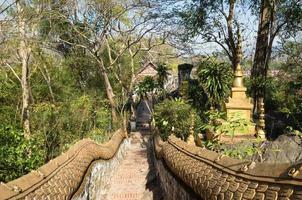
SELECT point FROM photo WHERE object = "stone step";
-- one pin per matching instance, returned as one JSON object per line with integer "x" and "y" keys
{"x": 135, "y": 178}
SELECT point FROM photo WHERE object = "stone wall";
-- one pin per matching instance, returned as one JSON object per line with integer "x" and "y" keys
{"x": 95, "y": 185}
{"x": 61, "y": 177}
{"x": 213, "y": 176}
{"x": 172, "y": 186}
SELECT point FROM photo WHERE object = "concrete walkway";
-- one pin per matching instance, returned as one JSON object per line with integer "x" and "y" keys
{"x": 135, "y": 178}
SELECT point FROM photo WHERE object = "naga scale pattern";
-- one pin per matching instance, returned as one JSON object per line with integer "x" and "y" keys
{"x": 61, "y": 177}
{"x": 212, "y": 176}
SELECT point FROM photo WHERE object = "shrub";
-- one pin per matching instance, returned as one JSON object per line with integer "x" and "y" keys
{"x": 243, "y": 151}
{"x": 18, "y": 156}
{"x": 215, "y": 122}
{"x": 148, "y": 84}
{"x": 197, "y": 96}
{"x": 216, "y": 79}
{"x": 175, "y": 116}
{"x": 62, "y": 124}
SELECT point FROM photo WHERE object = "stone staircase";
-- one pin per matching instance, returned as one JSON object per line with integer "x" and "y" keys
{"x": 135, "y": 178}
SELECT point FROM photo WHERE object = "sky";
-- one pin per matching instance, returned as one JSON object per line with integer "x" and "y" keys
{"x": 249, "y": 28}
{"x": 244, "y": 16}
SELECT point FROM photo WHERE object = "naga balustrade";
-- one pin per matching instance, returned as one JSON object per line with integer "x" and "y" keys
{"x": 61, "y": 177}
{"x": 209, "y": 175}
{"x": 185, "y": 171}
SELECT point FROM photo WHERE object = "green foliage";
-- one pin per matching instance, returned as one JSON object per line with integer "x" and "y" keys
{"x": 162, "y": 74}
{"x": 283, "y": 90}
{"x": 77, "y": 110}
{"x": 289, "y": 82}
{"x": 63, "y": 124}
{"x": 197, "y": 96}
{"x": 198, "y": 17}
{"x": 8, "y": 101}
{"x": 216, "y": 80}
{"x": 67, "y": 93}
{"x": 240, "y": 151}
{"x": 216, "y": 123}
{"x": 145, "y": 86}
{"x": 177, "y": 117}
{"x": 235, "y": 122}
{"x": 243, "y": 151}
{"x": 18, "y": 156}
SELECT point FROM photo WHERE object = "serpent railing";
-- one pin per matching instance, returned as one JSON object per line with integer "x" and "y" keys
{"x": 209, "y": 175}
{"x": 61, "y": 177}
{"x": 185, "y": 171}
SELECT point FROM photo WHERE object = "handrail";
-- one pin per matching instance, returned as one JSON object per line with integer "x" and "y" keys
{"x": 61, "y": 176}
{"x": 210, "y": 174}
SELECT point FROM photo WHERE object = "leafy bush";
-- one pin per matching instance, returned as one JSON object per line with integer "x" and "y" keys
{"x": 243, "y": 151}
{"x": 69, "y": 107}
{"x": 283, "y": 99}
{"x": 197, "y": 96}
{"x": 62, "y": 124}
{"x": 175, "y": 116}
{"x": 18, "y": 156}
{"x": 216, "y": 79}
{"x": 227, "y": 127}
{"x": 215, "y": 123}
{"x": 148, "y": 84}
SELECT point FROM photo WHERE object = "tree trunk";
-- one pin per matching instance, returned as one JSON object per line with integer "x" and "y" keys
{"x": 47, "y": 79}
{"x": 109, "y": 92}
{"x": 24, "y": 55}
{"x": 123, "y": 111}
{"x": 259, "y": 69}
{"x": 133, "y": 109}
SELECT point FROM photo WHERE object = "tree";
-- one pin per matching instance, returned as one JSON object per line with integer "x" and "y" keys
{"x": 20, "y": 25}
{"x": 277, "y": 17}
{"x": 74, "y": 55}
{"x": 24, "y": 52}
{"x": 102, "y": 26}
{"x": 207, "y": 21}
{"x": 146, "y": 86}
{"x": 287, "y": 93}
